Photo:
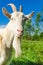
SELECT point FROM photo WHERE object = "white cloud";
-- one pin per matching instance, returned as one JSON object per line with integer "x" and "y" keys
{"x": 2, "y": 26}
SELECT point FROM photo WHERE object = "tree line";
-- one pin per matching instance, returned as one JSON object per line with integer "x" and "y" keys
{"x": 33, "y": 30}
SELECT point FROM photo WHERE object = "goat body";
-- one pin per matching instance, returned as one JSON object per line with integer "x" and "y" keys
{"x": 10, "y": 35}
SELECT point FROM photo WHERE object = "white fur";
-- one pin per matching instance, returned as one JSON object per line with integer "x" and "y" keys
{"x": 16, "y": 46}
{"x": 2, "y": 51}
{"x": 10, "y": 35}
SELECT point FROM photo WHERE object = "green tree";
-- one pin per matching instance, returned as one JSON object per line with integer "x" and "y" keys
{"x": 37, "y": 27}
{"x": 27, "y": 29}
{"x": 41, "y": 36}
{"x": 37, "y": 23}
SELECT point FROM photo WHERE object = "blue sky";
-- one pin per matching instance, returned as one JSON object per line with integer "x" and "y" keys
{"x": 28, "y": 6}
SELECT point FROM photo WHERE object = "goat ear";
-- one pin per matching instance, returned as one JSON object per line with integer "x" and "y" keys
{"x": 29, "y": 15}
{"x": 6, "y": 13}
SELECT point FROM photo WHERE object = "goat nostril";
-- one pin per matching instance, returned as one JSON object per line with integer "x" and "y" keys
{"x": 19, "y": 30}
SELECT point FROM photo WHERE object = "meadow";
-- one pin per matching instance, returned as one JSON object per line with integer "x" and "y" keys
{"x": 32, "y": 54}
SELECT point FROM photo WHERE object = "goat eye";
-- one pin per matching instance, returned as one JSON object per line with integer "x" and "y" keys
{"x": 22, "y": 15}
{"x": 23, "y": 19}
{"x": 11, "y": 18}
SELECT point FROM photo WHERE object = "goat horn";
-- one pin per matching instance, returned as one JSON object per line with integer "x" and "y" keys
{"x": 13, "y": 7}
{"x": 20, "y": 8}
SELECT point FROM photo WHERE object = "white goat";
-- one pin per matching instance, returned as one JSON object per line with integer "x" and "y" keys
{"x": 12, "y": 32}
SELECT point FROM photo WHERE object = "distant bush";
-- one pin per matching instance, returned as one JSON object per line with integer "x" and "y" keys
{"x": 36, "y": 37}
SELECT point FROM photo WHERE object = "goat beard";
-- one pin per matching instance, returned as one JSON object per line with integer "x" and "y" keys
{"x": 16, "y": 45}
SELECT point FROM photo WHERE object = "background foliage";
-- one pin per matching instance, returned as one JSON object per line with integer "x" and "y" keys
{"x": 34, "y": 31}
{"x": 32, "y": 54}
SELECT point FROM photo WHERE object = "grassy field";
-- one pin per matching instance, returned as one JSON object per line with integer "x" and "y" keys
{"x": 32, "y": 54}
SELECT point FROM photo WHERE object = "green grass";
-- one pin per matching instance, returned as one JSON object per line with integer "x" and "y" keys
{"x": 32, "y": 54}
